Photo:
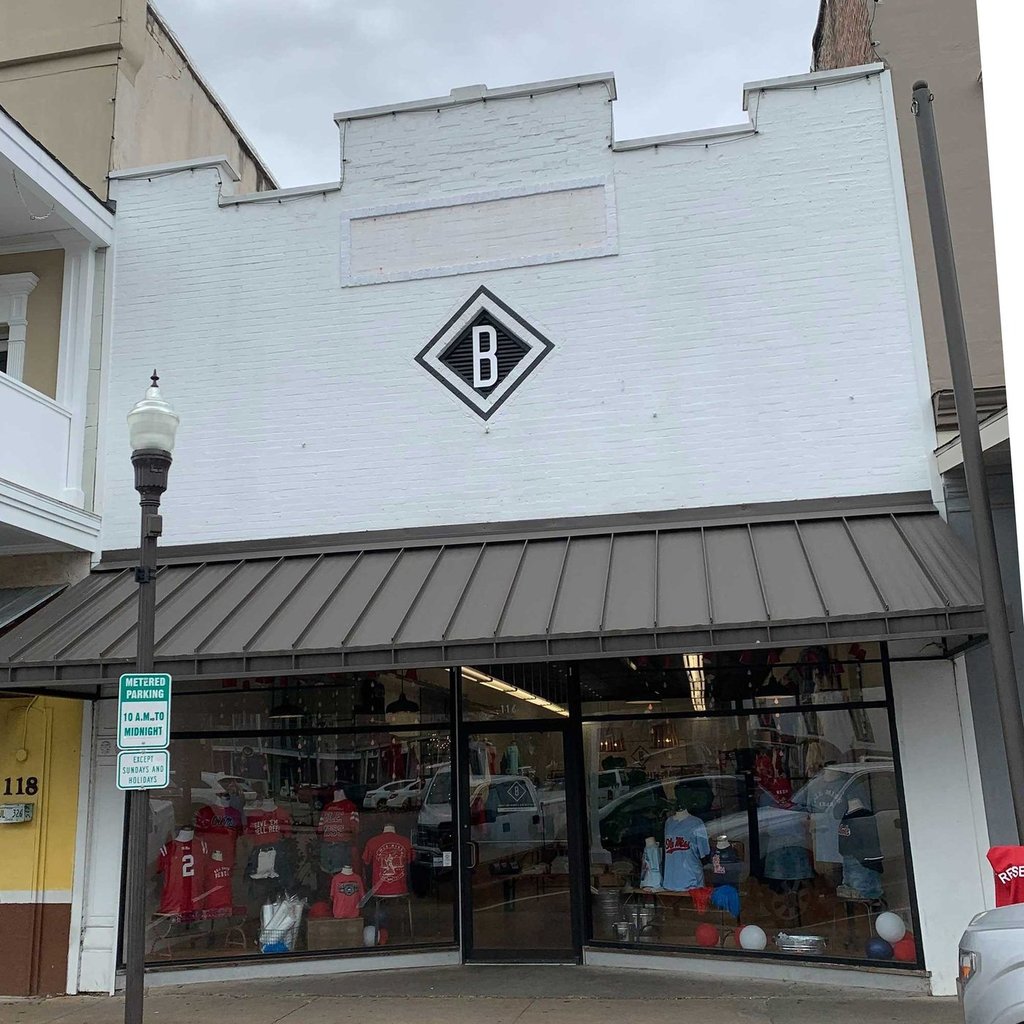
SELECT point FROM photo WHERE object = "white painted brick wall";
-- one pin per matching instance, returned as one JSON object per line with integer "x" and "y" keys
{"x": 751, "y": 341}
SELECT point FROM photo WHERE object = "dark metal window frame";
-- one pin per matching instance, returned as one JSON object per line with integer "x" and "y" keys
{"x": 571, "y": 729}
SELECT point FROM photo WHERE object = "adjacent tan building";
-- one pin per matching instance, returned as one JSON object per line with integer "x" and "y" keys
{"x": 104, "y": 85}
{"x": 937, "y": 40}
{"x": 86, "y": 87}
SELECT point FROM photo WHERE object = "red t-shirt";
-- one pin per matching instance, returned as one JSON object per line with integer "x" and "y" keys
{"x": 265, "y": 828}
{"x": 389, "y": 854}
{"x": 1008, "y": 864}
{"x": 183, "y": 866}
{"x": 346, "y": 893}
{"x": 217, "y": 884}
{"x": 339, "y": 822}
{"x": 220, "y": 828}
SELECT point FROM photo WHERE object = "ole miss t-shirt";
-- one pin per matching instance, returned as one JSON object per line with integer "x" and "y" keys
{"x": 389, "y": 855}
{"x": 1008, "y": 864}
{"x": 220, "y": 828}
{"x": 265, "y": 828}
{"x": 183, "y": 866}
{"x": 339, "y": 822}
{"x": 347, "y": 892}
{"x": 686, "y": 843}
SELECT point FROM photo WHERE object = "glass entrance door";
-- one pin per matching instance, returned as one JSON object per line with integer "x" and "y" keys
{"x": 520, "y": 867}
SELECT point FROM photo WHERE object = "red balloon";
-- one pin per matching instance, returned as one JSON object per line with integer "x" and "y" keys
{"x": 707, "y": 935}
{"x": 320, "y": 909}
{"x": 382, "y": 936}
{"x": 905, "y": 950}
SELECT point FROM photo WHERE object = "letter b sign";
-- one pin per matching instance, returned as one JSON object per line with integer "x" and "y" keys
{"x": 485, "y": 357}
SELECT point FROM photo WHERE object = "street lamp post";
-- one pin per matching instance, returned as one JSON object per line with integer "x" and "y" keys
{"x": 152, "y": 424}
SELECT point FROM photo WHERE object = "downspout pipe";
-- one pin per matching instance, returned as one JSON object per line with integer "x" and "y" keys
{"x": 1003, "y": 671}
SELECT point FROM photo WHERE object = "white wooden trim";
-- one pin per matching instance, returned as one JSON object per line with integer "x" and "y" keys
{"x": 14, "y": 292}
{"x": 73, "y": 360}
{"x": 36, "y": 396}
{"x": 50, "y": 181}
{"x": 33, "y": 896}
{"x": 64, "y": 525}
{"x": 81, "y": 847}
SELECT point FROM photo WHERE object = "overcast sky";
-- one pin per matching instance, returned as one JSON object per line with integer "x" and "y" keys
{"x": 284, "y": 67}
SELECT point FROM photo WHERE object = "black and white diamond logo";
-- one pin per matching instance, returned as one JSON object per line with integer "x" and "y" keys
{"x": 484, "y": 352}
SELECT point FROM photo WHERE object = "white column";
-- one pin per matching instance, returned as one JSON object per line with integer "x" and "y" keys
{"x": 73, "y": 360}
{"x": 939, "y": 760}
{"x": 14, "y": 292}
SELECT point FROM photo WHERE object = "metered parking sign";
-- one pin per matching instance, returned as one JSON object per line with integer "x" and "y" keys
{"x": 143, "y": 769}
{"x": 144, "y": 710}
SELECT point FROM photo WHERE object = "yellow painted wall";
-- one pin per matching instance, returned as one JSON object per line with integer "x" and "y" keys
{"x": 40, "y": 855}
{"x": 42, "y": 339}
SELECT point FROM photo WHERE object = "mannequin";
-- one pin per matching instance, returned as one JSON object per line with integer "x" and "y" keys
{"x": 347, "y": 892}
{"x": 219, "y": 824}
{"x": 650, "y": 865}
{"x": 686, "y": 844}
{"x": 182, "y": 864}
{"x": 266, "y": 828}
{"x": 726, "y": 866}
{"x": 387, "y": 856}
{"x": 861, "y": 852}
{"x": 338, "y": 829}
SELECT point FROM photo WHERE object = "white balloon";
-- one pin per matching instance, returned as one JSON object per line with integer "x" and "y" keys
{"x": 753, "y": 937}
{"x": 369, "y": 935}
{"x": 890, "y": 927}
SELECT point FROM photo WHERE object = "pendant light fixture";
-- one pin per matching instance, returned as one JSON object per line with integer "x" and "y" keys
{"x": 403, "y": 705}
{"x": 284, "y": 710}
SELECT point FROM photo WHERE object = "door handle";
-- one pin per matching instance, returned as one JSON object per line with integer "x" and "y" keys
{"x": 471, "y": 859}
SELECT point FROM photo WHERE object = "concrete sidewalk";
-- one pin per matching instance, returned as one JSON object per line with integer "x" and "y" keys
{"x": 495, "y": 995}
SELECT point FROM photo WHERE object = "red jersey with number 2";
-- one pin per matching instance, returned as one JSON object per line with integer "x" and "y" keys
{"x": 183, "y": 868}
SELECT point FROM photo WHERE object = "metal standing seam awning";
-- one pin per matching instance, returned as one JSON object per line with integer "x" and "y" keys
{"x": 696, "y": 582}
{"x": 18, "y": 601}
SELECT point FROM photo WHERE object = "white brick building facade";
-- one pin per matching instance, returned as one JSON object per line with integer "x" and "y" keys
{"x": 732, "y": 317}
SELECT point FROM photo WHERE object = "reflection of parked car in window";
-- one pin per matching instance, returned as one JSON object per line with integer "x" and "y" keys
{"x": 320, "y": 795}
{"x": 406, "y": 798}
{"x": 377, "y": 798}
{"x": 628, "y": 820}
{"x": 215, "y": 783}
{"x": 818, "y": 807}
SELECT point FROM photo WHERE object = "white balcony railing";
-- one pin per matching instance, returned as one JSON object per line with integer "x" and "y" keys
{"x": 35, "y": 432}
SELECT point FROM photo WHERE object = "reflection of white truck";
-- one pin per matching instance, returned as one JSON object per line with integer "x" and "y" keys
{"x": 216, "y": 783}
{"x": 507, "y": 817}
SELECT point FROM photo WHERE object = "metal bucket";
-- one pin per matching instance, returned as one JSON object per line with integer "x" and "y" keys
{"x": 607, "y": 908}
{"x": 624, "y": 931}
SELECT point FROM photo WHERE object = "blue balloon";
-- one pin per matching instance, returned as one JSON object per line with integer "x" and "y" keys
{"x": 878, "y": 949}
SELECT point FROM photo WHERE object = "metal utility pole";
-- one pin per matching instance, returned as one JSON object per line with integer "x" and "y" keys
{"x": 1003, "y": 670}
{"x": 152, "y": 424}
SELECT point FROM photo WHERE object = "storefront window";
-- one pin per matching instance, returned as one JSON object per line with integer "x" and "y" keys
{"x": 733, "y": 680}
{"x": 777, "y": 829}
{"x": 305, "y": 839}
